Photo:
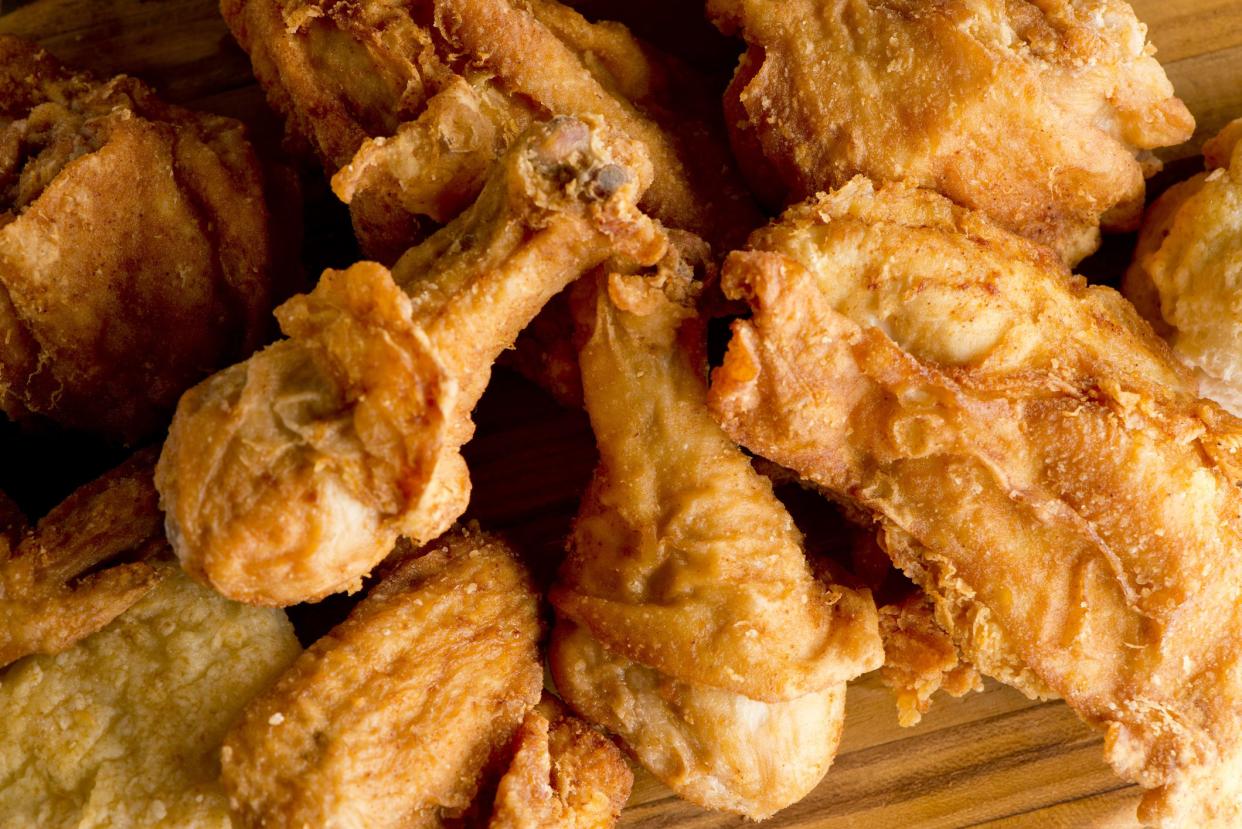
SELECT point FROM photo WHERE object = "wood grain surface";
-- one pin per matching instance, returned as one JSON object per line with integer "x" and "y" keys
{"x": 992, "y": 759}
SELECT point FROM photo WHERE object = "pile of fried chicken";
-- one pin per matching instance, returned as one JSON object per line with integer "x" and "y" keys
{"x": 879, "y": 218}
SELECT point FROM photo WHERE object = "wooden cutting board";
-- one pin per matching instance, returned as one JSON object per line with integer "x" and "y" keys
{"x": 991, "y": 759}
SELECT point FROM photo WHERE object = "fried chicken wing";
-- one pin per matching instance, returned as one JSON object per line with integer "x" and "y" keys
{"x": 1041, "y": 114}
{"x": 685, "y": 573}
{"x": 46, "y": 602}
{"x": 1185, "y": 274}
{"x": 409, "y": 104}
{"x": 289, "y": 476}
{"x": 395, "y": 716}
{"x": 111, "y": 307}
{"x": 563, "y": 775}
{"x": 1037, "y": 461}
{"x": 124, "y": 728}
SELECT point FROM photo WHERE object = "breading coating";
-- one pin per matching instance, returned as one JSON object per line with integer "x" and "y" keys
{"x": 394, "y": 718}
{"x": 412, "y": 103}
{"x": 124, "y": 728}
{"x": 1037, "y": 461}
{"x": 46, "y": 603}
{"x": 715, "y": 748}
{"x": 1041, "y": 113}
{"x": 289, "y": 476}
{"x": 1186, "y": 277}
{"x": 686, "y": 576}
{"x": 920, "y": 658}
{"x": 111, "y": 307}
{"x": 563, "y": 775}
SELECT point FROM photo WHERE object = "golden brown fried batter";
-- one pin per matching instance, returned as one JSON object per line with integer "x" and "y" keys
{"x": 1041, "y": 113}
{"x": 1184, "y": 277}
{"x": 46, "y": 603}
{"x": 289, "y": 476}
{"x": 395, "y": 716}
{"x": 1037, "y": 461}
{"x": 413, "y": 102}
{"x": 564, "y": 775}
{"x": 920, "y": 658}
{"x": 686, "y": 576}
{"x": 713, "y": 747}
{"x": 135, "y": 254}
{"x": 125, "y": 727}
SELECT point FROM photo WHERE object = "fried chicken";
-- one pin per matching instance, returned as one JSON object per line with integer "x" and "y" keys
{"x": 1037, "y": 461}
{"x": 409, "y": 104}
{"x": 685, "y": 575}
{"x": 289, "y": 476}
{"x": 394, "y": 718}
{"x": 135, "y": 249}
{"x": 1184, "y": 278}
{"x": 53, "y": 587}
{"x": 1041, "y": 114}
{"x": 920, "y": 658}
{"x": 563, "y": 775}
{"x": 124, "y": 728}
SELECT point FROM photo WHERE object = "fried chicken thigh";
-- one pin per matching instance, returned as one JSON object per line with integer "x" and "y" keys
{"x": 1186, "y": 278}
{"x": 394, "y": 718}
{"x": 1036, "y": 460}
{"x": 692, "y": 625}
{"x": 135, "y": 249}
{"x": 410, "y": 103}
{"x": 289, "y": 476}
{"x": 1041, "y": 113}
{"x": 53, "y": 587}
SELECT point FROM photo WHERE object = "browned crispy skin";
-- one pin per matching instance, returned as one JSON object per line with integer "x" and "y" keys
{"x": 1041, "y": 113}
{"x": 563, "y": 775}
{"x": 920, "y": 658}
{"x": 289, "y": 476}
{"x": 46, "y": 603}
{"x": 1035, "y": 458}
{"x": 1184, "y": 275}
{"x": 135, "y": 253}
{"x": 395, "y": 717}
{"x": 690, "y": 620}
{"x": 412, "y": 103}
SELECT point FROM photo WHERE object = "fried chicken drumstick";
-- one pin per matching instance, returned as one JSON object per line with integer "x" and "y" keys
{"x": 1184, "y": 275}
{"x": 110, "y": 307}
{"x": 691, "y": 624}
{"x": 409, "y": 104}
{"x": 1040, "y": 113}
{"x": 1035, "y": 459}
{"x": 289, "y": 476}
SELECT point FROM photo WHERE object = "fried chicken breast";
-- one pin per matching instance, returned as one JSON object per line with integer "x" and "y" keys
{"x": 124, "y": 728}
{"x": 394, "y": 718}
{"x": 111, "y": 307}
{"x": 289, "y": 476}
{"x": 1036, "y": 460}
{"x": 693, "y": 626}
{"x": 1186, "y": 278}
{"x": 1040, "y": 114}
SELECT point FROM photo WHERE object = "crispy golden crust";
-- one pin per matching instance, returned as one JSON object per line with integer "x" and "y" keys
{"x": 715, "y": 748}
{"x": 681, "y": 558}
{"x": 1184, "y": 275}
{"x": 124, "y": 728}
{"x": 395, "y": 716}
{"x": 413, "y": 104}
{"x": 1038, "y": 113}
{"x": 46, "y": 604}
{"x": 920, "y": 658}
{"x": 289, "y": 476}
{"x": 1038, "y": 462}
{"x": 111, "y": 307}
{"x": 563, "y": 775}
